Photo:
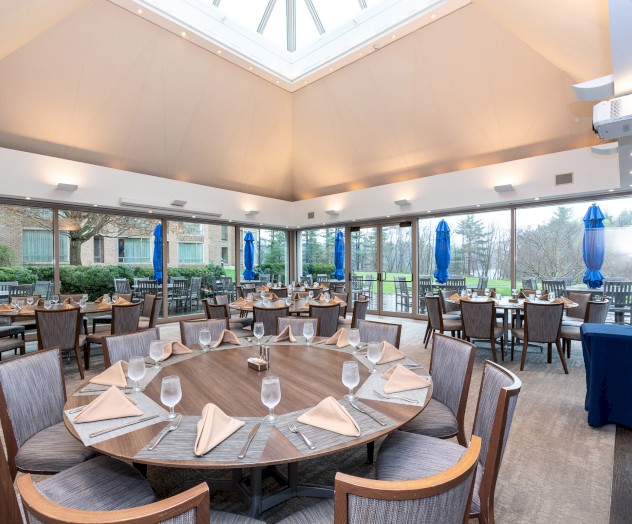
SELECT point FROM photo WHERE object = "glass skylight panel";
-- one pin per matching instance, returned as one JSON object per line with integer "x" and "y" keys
{"x": 333, "y": 14}
{"x": 276, "y": 28}
{"x": 246, "y": 13}
{"x": 306, "y": 30}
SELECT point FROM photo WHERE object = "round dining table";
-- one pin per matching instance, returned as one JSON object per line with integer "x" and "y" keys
{"x": 308, "y": 374}
{"x": 296, "y": 306}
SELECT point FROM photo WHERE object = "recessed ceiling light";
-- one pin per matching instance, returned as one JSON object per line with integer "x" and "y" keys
{"x": 394, "y": 37}
{"x": 260, "y": 223}
{"x": 478, "y": 205}
{"x": 219, "y": 51}
{"x": 192, "y": 216}
{"x": 184, "y": 34}
{"x": 250, "y": 68}
{"x": 27, "y": 198}
{"x": 277, "y": 82}
{"x": 305, "y": 82}
{"x": 536, "y": 198}
{"x": 230, "y": 220}
{"x": 428, "y": 211}
{"x": 433, "y": 16}
{"x": 610, "y": 190}
{"x": 331, "y": 69}
{"x": 323, "y": 223}
{"x": 150, "y": 211}
{"x": 388, "y": 216}
{"x": 354, "y": 218}
{"x": 360, "y": 53}
{"x": 140, "y": 11}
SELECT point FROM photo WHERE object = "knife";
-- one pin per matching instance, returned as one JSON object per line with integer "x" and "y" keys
{"x": 380, "y": 422}
{"x": 104, "y": 431}
{"x": 251, "y": 436}
{"x": 172, "y": 426}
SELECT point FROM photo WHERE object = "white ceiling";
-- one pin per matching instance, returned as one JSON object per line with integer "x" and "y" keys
{"x": 89, "y": 81}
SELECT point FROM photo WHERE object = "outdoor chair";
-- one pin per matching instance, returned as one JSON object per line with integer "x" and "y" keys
{"x": 328, "y": 315}
{"x": 269, "y": 317}
{"x": 152, "y": 305}
{"x": 4, "y": 291}
{"x": 180, "y": 295}
{"x": 596, "y": 313}
{"x": 479, "y": 322}
{"x": 379, "y": 331}
{"x": 190, "y": 329}
{"x": 22, "y": 292}
{"x": 360, "y": 307}
{"x": 121, "y": 285}
{"x": 402, "y": 294}
{"x": 146, "y": 287}
{"x": 437, "y": 320}
{"x": 264, "y": 278}
{"x": 424, "y": 287}
{"x": 557, "y": 286}
{"x": 457, "y": 283}
{"x": 124, "y": 347}
{"x": 620, "y": 295}
{"x": 482, "y": 282}
{"x": 12, "y": 338}
{"x": 323, "y": 279}
{"x": 61, "y": 328}
{"x": 196, "y": 292}
{"x": 529, "y": 282}
{"x": 44, "y": 288}
{"x": 297, "y": 324}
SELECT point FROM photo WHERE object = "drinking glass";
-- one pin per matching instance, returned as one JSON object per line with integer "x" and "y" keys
{"x": 531, "y": 296}
{"x": 514, "y": 293}
{"x": 373, "y": 353}
{"x": 308, "y": 332}
{"x": 82, "y": 301}
{"x": 310, "y": 295}
{"x": 20, "y": 304}
{"x": 288, "y": 300}
{"x": 258, "y": 332}
{"x": 136, "y": 370}
{"x": 354, "y": 339}
{"x": 551, "y": 296}
{"x": 270, "y": 396}
{"x": 469, "y": 291}
{"x": 156, "y": 351}
{"x": 486, "y": 291}
{"x": 474, "y": 294}
{"x": 106, "y": 299}
{"x": 250, "y": 296}
{"x": 204, "y": 338}
{"x": 55, "y": 299}
{"x": 171, "y": 393}
{"x": 29, "y": 301}
{"x": 538, "y": 293}
{"x": 463, "y": 292}
{"x": 350, "y": 377}
{"x": 85, "y": 298}
{"x": 114, "y": 298}
{"x": 47, "y": 304}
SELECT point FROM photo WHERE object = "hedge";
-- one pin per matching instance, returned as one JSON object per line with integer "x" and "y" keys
{"x": 318, "y": 269}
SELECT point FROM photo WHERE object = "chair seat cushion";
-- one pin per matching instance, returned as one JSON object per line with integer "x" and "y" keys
{"x": 11, "y": 331}
{"x": 221, "y": 517}
{"x": 436, "y": 420}
{"x": 51, "y": 450}
{"x": 240, "y": 322}
{"x": 82, "y": 340}
{"x": 574, "y": 323}
{"x": 452, "y": 325}
{"x": 320, "y": 513}
{"x": 570, "y": 332}
{"x": 143, "y": 323}
{"x": 95, "y": 338}
{"x": 517, "y": 333}
{"x": 7, "y": 344}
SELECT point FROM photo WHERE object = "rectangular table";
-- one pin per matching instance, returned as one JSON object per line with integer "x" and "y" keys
{"x": 608, "y": 359}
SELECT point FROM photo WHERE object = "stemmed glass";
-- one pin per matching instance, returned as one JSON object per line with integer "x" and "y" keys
{"x": 270, "y": 396}
{"x": 538, "y": 293}
{"x": 258, "y": 331}
{"x": 487, "y": 292}
{"x": 350, "y": 377}
{"x": 136, "y": 371}
{"x": 551, "y": 296}
{"x": 114, "y": 298}
{"x": 82, "y": 301}
{"x": 474, "y": 294}
{"x": 310, "y": 295}
{"x": 29, "y": 301}
{"x": 288, "y": 300}
{"x": 354, "y": 339}
{"x": 308, "y": 332}
{"x": 47, "y": 304}
{"x": 85, "y": 298}
{"x": 156, "y": 351}
{"x": 204, "y": 338}
{"x": 55, "y": 299}
{"x": 171, "y": 393}
{"x": 373, "y": 353}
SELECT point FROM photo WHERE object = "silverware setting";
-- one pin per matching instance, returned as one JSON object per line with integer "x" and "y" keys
{"x": 104, "y": 431}
{"x": 292, "y": 427}
{"x": 251, "y": 436}
{"x": 76, "y": 410}
{"x": 88, "y": 389}
{"x": 412, "y": 366}
{"x": 171, "y": 427}
{"x": 380, "y": 422}
{"x": 412, "y": 400}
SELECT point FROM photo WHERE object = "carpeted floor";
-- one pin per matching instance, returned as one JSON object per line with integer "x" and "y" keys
{"x": 556, "y": 468}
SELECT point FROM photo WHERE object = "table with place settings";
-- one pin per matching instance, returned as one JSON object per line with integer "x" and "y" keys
{"x": 308, "y": 375}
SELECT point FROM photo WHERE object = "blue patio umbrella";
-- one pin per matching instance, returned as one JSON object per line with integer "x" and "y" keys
{"x": 157, "y": 260}
{"x": 593, "y": 247}
{"x": 442, "y": 252}
{"x": 339, "y": 256}
{"x": 249, "y": 256}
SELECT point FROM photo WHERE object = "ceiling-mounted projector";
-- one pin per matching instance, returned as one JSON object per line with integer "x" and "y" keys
{"x": 613, "y": 118}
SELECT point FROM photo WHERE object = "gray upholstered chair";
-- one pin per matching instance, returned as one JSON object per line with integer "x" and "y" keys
{"x": 437, "y": 320}
{"x": 152, "y": 305}
{"x": 328, "y": 315}
{"x": 360, "y": 308}
{"x": 32, "y": 414}
{"x": 596, "y": 313}
{"x": 128, "y": 345}
{"x": 445, "y": 497}
{"x": 222, "y": 311}
{"x": 297, "y": 324}
{"x": 190, "y": 329}
{"x": 345, "y": 298}
{"x": 446, "y": 306}
{"x": 60, "y": 328}
{"x": 479, "y": 322}
{"x": 379, "y": 331}
{"x": 451, "y": 366}
{"x": 269, "y": 317}
{"x": 576, "y": 314}
{"x": 407, "y": 456}
{"x": 12, "y": 338}
{"x": 280, "y": 292}
{"x": 542, "y": 323}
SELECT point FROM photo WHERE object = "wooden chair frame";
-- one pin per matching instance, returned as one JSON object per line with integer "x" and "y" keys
{"x": 399, "y": 330}
{"x": 492, "y": 327}
{"x": 106, "y": 353}
{"x": 312, "y": 319}
{"x": 77, "y": 349}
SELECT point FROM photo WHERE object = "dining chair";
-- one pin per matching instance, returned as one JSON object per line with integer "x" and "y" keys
{"x": 152, "y": 306}
{"x": 121, "y": 285}
{"x": 360, "y": 308}
{"x": 345, "y": 298}
{"x": 455, "y": 283}
{"x": 12, "y": 338}
{"x": 190, "y": 329}
{"x": 44, "y": 288}
{"x": 221, "y": 311}
{"x": 328, "y": 314}
{"x": 146, "y": 287}
{"x": 542, "y": 324}
{"x": 529, "y": 282}
{"x": 596, "y": 313}
{"x": 128, "y": 345}
{"x": 402, "y": 294}
{"x": 556, "y": 286}
{"x": 442, "y": 497}
{"x": 438, "y": 322}
{"x": 424, "y": 286}
{"x": 281, "y": 292}
{"x": 125, "y": 319}
{"x": 268, "y": 316}
{"x": 297, "y": 324}
{"x": 479, "y": 322}
{"x": 620, "y": 295}
{"x": 574, "y": 314}
{"x": 61, "y": 328}
{"x": 196, "y": 292}
{"x": 32, "y": 398}
{"x": 451, "y": 364}
{"x": 407, "y": 456}
{"x": 22, "y": 292}
{"x": 264, "y": 278}
{"x": 482, "y": 282}
{"x": 448, "y": 307}
{"x": 180, "y": 295}
{"x": 371, "y": 331}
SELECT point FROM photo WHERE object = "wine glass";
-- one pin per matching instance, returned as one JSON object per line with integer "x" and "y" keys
{"x": 270, "y": 396}
{"x": 551, "y": 296}
{"x": 47, "y": 304}
{"x": 487, "y": 292}
{"x": 514, "y": 293}
{"x": 55, "y": 300}
{"x": 350, "y": 377}
{"x": 171, "y": 393}
{"x": 288, "y": 300}
{"x": 136, "y": 370}
{"x": 114, "y": 298}
{"x": 85, "y": 298}
{"x": 308, "y": 332}
{"x": 204, "y": 338}
{"x": 538, "y": 293}
{"x": 354, "y": 339}
{"x": 106, "y": 299}
{"x": 474, "y": 294}
{"x": 29, "y": 301}
{"x": 463, "y": 292}
{"x": 82, "y": 301}
{"x": 373, "y": 353}
{"x": 310, "y": 295}
{"x": 156, "y": 351}
{"x": 20, "y": 304}
{"x": 258, "y": 332}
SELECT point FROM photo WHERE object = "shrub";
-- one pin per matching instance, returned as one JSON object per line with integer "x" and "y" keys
{"x": 318, "y": 269}
{"x": 8, "y": 256}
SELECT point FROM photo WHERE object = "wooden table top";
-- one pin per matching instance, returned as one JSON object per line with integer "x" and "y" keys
{"x": 89, "y": 308}
{"x": 308, "y": 374}
{"x": 297, "y": 306}
{"x": 505, "y": 304}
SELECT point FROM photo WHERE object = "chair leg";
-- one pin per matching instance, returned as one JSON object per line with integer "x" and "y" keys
{"x": 86, "y": 355}
{"x": 502, "y": 348}
{"x": 524, "y": 354}
{"x": 549, "y": 353}
{"x": 494, "y": 351}
{"x": 428, "y": 340}
{"x": 78, "y": 358}
{"x": 370, "y": 451}
{"x": 561, "y": 354}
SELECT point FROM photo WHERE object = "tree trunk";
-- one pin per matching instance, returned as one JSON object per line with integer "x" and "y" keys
{"x": 75, "y": 252}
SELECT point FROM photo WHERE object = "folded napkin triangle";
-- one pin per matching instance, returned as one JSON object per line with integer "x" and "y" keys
{"x": 173, "y": 348}
{"x": 213, "y": 428}
{"x": 226, "y": 336}
{"x": 402, "y": 379}
{"x": 340, "y": 338}
{"x": 322, "y": 298}
{"x": 102, "y": 306}
{"x": 6, "y": 307}
{"x": 330, "y": 415}
{"x": 109, "y": 405}
{"x": 69, "y": 300}
{"x": 263, "y": 288}
{"x": 454, "y": 297}
{"x": 27, "y": 310}
{"x": 390, "y": 353}
{"x": 286, "y": 334}
{"x": 273, "y": 297}
{"x": 122, "y": 302}
{"x": 337, "y": 300}
{"x": 115, "y": 375}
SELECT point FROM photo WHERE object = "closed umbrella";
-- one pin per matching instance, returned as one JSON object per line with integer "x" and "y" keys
{"x": 339, "y": 256}
{"x": 593, "y": 246}
{"x": 249, "y": 256}
{"x": 157, "y": 260}
{"x": 442, "y": 252}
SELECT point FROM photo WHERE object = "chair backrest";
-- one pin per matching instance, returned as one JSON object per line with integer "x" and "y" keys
{"x": 215, "y": 310}
{"x": 147, "y": 287}
{"x": 448, "y": 307}
{"x": 360, "y": 307}
{"x": 620, "y": 292}
{"x": 556, "y": 286}
{"x": 121, "y": 285}
{"x": 268, "y": 316}
{"x": 190, "y": 329}
{"x": 529, "y": 282}
{"x": 379, "y": 331}
{"x": 125, "y": 318}
{"x": 596, "y": 312}
{"x": 153, "y": 305}
{"x": 321, "y": 277}
{"x": 32, "y": 397}
{"x": 455, "y": 283}
{"x": 345, "y": 298}
{"x": 124, "y": 347}
{"x": 148, "y": 305}
{"x": 482, "y": 282}
{"x": 281, "y": 292}
{"x": 542, "y": 322}
{"x": 328, "y": 315}
{"x": 264, "y": 277}
{"x": 181, "y": 288}
{"x": 494, "y": 413}
{"x": 221, "y": 299}
{"x": 9, "y": 509}
{"x": 21, "y": 290}
{"x": 44, "y": 288}
{"x": 298, "y": 323}
{"x": 581, "y": 299}
{"x": 58, "y": 327}
{"x": 435, "y": 313}
{"x": 444, "y": 498}
{"x": 196, "y": 285}
{"x": 479, "y": 319}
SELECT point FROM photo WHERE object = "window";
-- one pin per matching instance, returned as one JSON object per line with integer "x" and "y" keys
{"x": 224, "y": 255}
{"x": 37, "y": 246}
{"x": 270, "y": 252}
{"x": 134, "y": 251}
{"x": 98, "y": 249}
{"x": 317, "y": 251}
{"x": 224, "y": 233}
{"x": 190, "y": 253}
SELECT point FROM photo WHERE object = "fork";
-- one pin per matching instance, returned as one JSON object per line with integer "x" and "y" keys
{"x": 413, "y": 400}
{"x": 292, "y": 427}
{"x": 174, "y": 425}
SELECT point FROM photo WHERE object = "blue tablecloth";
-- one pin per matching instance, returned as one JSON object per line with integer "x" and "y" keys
{"x": 608, "y": 359}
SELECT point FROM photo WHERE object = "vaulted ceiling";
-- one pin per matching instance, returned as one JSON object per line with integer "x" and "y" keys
{"x": 89, "y": 81}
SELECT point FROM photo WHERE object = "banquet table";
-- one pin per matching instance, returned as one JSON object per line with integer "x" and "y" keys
{"x": 91, "y": 308}
{"x": 308, "y": 374}
{"x": 296, "y": 307}
{"x": 608, "y": 359}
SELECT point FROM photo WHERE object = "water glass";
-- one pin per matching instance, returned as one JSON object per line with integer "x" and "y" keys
{"x": 288, "y": 300}
{"x": 310, "y": 295}
{"x": 156, "y": 351}
{"x": 474, "y": 294}
{"x": 204, "y": 338}
{"x": 136, "y": 370}
{"x": 308, "y": 332}
{"x": 171, "y": 393}
{"x": 551, "y": 296}
{"x": 531, "y": 296}
{"x": 373, "y": 354}
{"x": 354, "y": 339}
{"x": 20, "y": 304}
{"x": 350, "y": 377}
{"x": 82, "y": 301}
{"x": 55, "y": 299}
{"x": 114, "y": 298}
{"x": 258, "y": 331}
{"x": 47, "y": 304}
{"x": 85, "y": 298}
{"x": 538, "y": 293}
{"x": 486, "y": 291}
{"x": 270, "y": 396}
{"x": 29, "y": 301}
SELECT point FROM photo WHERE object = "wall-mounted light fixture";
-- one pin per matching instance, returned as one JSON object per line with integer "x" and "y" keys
{"x": 67, "y": 187}
{"x": 504, "y": 188}
{"x": 332, "y": 213}
{"x": 402, "y": 202}
{"x": 157, "y": 207}
{"x": 252, "y": 213}
{"x": 178, "y": 203}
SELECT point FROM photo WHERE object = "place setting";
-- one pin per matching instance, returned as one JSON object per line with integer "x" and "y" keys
{"x": 399, "y": 384}
{"x": 377, "y": 356}
{"x": 344, "y": 340}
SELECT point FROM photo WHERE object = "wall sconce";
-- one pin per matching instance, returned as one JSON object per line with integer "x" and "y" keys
{"x": 67, "y": 187}
{"x": 178, "y": 203}
{"x": 252, "y": 213}
{"x": 504, "y": 188}
{"x": 402, "y": 202}
{"x": 332, "y": 213}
